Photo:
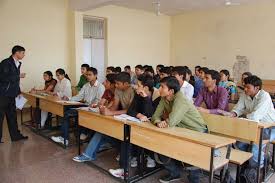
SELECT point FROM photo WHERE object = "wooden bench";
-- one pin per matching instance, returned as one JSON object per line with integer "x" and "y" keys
{"x": 188, "y": 146}
{"x": 239, "y": 129}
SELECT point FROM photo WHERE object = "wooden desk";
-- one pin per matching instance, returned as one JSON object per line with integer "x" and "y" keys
{"x": 33, "y": 99}
{"x": 240, "y": 129}
{"x": 185, "y": 145}
{"x": 51, "y": 104}
{"x": 103, "y": 124}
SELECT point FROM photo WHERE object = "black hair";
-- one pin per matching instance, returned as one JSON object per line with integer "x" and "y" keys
{"x": 166, "y": 70}
{"x": 180, "y": 70}
{"x": 111, "y": 78}
{"x": 62, "y": 72}
{"x": 215, "y": 75}
{"x": 85, "y": 66}
{"x": 188, "y": 71}
{"x": 93, "y": 70}
{"x": 160, "y": 65}
{"x": 150, "y": 69}
{"x": 111, "y": 68}
{"x": 123, "y": 77}
{"x": 49, "y": 73}
{"x": 17, "y": 48}
{"x": 118, "y": 69}
{"x": 247, "y": 74}
{"x": 253, "y": 80}
{"x": 147, "y": 80}
{"x": 172, "y": 83}
{"x": 127, "y": 67}
{"x": 139, "y": 67}
{"x": 226, "y": 73}
{"x": 197, "y": 67}
{"x": 204, "y": 69}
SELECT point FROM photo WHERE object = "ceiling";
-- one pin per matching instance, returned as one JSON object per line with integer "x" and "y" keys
{"x": 168, "y": 7}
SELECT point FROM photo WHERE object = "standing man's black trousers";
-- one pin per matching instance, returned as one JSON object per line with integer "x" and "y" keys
{"x": 8, "y": 108}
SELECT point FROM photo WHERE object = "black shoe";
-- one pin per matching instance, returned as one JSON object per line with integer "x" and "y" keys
{"x": 169, "y": 178}
{"x": 21, "y": 138}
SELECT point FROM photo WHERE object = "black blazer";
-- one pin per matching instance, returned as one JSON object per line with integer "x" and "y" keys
{"x": 9, "y": 78}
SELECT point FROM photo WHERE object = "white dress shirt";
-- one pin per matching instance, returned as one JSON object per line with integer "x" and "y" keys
{"x": 260, "y": 108}
{"x": 188, "y": 90}
{"x": 63, "y": 88}
{"x": 90, "y": 94}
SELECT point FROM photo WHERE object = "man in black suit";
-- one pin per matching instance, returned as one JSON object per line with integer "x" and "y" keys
{"x": 9, "y": 89}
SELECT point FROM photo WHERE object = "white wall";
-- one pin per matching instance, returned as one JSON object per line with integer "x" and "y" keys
{"x": 133, "y": 36}
{"x": 215, "y": 37}
{"x": 44, "y": 28}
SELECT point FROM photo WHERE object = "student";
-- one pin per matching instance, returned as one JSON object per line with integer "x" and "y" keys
{"x": 83, "y": 79}
{"x": 118, "y": 70}
{"x": 203, "y": 70}
{"x": 142, "y": 107}
{"x": 50, "y": 83}
{"x": 197, "y": 72}
{"x": 90, "y": 93}
{"x": 157, "y": 77}
{"x": 241, "y": 86}
{"x": 149, "y": 71}
{"x": 199, "y": 76}
{"x": 179, "y": 72}
{"x": 127, "y": 69}
{"x": 110, "y": 70}
{"x": 255, "y": 104}
{"x": 230, "y": 86}
{"x": 63, "y": 88}
{"x": 181, "y": 113}
{"x": 164, "y": 72}
{"x": 139, "y": 70}
{"x": 124, "y": 95}
{"x": 214, "y": 97}
{"x": 109, "y": 93}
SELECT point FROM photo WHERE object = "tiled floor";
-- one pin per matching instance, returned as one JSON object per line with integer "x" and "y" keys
{"x": 38, "y": 160}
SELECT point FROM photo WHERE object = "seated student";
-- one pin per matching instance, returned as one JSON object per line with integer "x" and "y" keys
{"x": 118, "y": 70}
{"x": 157, "y": 77}
{"x": 164, "y": 72}
{"x": 110, "y": 70}
{"x": 83, "y": 79}
{"x": 181, "y": 113}
{"x": 139, "y": 70}
{"x": 127, "y": 69}
{"x": 149, "y": 71}
{"x": 90, "y": 93}
{"x": 189, "y": 77}
{"x": 124, "y": 95}
{"x": 199, "y": 80}
{"x": 50, "y": 83}
{"x": 179, "y": 72}
{"x": 214, "y": 97}
{"x": 62, "y": 88}
{"x": 142, "y": 107}
{"x": 227, "y": 84}
{"x": 109, "y": 93}
{"x": 241, "y": 87}
{"x": 255, "y": 104}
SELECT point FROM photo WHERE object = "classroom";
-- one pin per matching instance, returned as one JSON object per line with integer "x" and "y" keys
{"x": 165, "y": 91}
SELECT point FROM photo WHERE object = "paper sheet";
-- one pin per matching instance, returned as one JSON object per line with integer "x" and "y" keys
{"x": 125, "y": 117}
{"x": 20, "y": 101}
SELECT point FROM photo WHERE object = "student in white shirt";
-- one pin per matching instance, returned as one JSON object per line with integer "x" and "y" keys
{"x": 255, "y": 104}
{"x": 179, "y": 72}
{"x": 63, "y": 88}
{"x": 90, "y": 93}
